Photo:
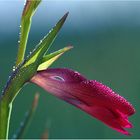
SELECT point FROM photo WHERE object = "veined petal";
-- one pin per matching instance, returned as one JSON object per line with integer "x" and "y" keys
{"x": 90, "y": 96}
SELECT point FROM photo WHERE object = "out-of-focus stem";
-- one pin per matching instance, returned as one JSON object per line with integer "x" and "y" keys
{"x": 27, "y": 120}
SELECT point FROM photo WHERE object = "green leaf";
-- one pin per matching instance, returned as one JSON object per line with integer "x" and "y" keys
{"x": 26, "y": 19}
{"x": 25, "y": 71}
{"x": 30, "y": 8}
{"x": 22, "y": 75}
{"x": 50, "y": 58}
{"x": 45, "y": 43}
{"x": 6, "y": 98}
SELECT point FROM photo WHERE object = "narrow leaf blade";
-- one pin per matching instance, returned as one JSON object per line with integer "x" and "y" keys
{"x": 50, "y": 58}
{"x": 44, "y": 44}
{"x": 26, "y": 19}
{"x": 25, "y": 71}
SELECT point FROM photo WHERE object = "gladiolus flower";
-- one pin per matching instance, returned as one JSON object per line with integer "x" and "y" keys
{"x": 90, "y": 96}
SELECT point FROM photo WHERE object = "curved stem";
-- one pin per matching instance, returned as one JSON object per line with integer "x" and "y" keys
{"x": 5, "y": 113}
{"x": 6, "y": 100}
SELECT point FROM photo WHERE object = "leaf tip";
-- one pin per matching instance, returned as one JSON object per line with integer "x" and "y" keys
{"x": 68, "y": 48}
{"x": 65, "y": 16}
{"x": 30, "y": 6}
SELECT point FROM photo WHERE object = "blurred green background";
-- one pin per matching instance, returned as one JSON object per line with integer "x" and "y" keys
{"x": 106, "y": 40}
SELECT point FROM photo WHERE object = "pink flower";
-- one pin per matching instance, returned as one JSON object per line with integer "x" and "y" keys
{"x": 90, "y": 96}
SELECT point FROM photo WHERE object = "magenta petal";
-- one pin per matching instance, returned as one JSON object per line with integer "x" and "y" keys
{"x": 90, "y": 96}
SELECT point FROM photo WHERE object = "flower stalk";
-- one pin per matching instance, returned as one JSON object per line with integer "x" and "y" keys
{"x": 6, "y": 99}
{"x": 5, "y": 113}
{"x": 25, "y": 71}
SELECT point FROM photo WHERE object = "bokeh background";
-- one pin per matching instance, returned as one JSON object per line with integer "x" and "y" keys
{"x": 106, "y": 40}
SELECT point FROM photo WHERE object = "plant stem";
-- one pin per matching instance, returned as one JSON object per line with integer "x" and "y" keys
{"x": 5, "y": 113}
{"x": 6, "y": 99}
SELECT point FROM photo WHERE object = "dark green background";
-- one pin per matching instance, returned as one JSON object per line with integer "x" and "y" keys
{"x": 106, "y": 40}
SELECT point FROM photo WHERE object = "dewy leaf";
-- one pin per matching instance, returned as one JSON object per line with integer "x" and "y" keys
{"x": 22, "y": 74}
{"x": 45, "y": 43}
{"x": 25, "y": 71}
{"x": 16, "y": 82}
{"x": 30, "y": 8}
{"x": 19, "y": 77}
{"x": 26, "y": 19}
{"x": 50, "y": 58}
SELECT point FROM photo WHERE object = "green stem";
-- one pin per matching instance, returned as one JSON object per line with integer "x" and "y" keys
{"x": 6, "y": 100}
{"x": 5, "y": 113}
{"x": 13, "y": 87}
{"x": 5, "y": 110}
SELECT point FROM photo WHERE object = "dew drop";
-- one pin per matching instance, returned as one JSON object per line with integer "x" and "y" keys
{"x": 14, "y": 68}
{"x": 50, "y": 31}
{"x": 24, "y": 2}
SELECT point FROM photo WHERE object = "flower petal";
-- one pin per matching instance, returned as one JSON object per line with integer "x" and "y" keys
{"x": 90, "y": 96}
